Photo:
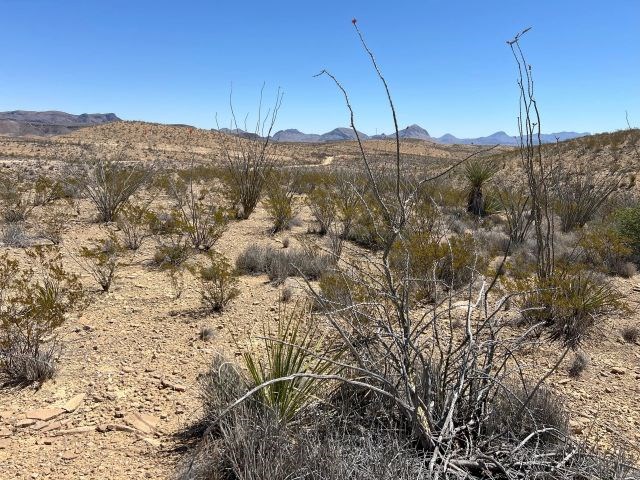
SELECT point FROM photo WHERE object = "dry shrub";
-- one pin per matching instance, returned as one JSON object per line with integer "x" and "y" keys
{"x": 16, "y": 200}
{"x": 218, "y": 282}
{"x": 196, "y": 215}
{"x": 101, "y": 260}
{"x": 545, "y": 413}
{"x": 52, "y": 224}
{"x": 493, "y": 242}
{"x": 33, "y": 303}
{"x": 14, "y": 235}
{"x": 578, "y": 364}
{"x": 579, "y": 195}
{"x": 286, "y": 294}
{"x": 280, "y": 264}
{"x": 630, "y": 334}
{"x": 47, "y": 191}
{"x": 109, "y": 181}
{"x": 163, "y": 223}
{"x": 515, "y": 204}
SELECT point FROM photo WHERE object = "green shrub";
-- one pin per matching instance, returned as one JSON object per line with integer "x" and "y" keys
{"x": 101, "y": 260}
{"x": 292, "y": 350}
{"x": 568, "y": 304}
{"x": 607, "y": 250}
{"x": 321, "y": 201}
{"x": 280, "y": 202}
{"x": 33, "y": 303}
{"x": 627, "y": 223}
{"x": 134, "y": 223}
{"x": 218, "y": 282}
{"x": 436, "y": 263}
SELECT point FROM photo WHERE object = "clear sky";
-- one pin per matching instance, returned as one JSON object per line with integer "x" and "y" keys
{"x": 447, "y": 63}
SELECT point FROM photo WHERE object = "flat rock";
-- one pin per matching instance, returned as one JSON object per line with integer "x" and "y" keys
{"x": 44, "y": 413}
{"x": 76, "y": 430}
{"x": 152, "y": 441}
{"x": 4, "y": 443}
{"x": 618, "y": 370}
{"x": 52, "y": 426}
{"x": 69, "y": 455}
{"x": 25, "y": 422}
{"x": 142, "y": 422}
{"x": 173, "y": 386}
{"x": 6, "y": 414}
{"x": 73, "y": 403}
{"x": 5, "y": 432}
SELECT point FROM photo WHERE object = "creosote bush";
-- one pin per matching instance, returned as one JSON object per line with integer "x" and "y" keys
{"x": 627, "y": 223}
{"x": 101, "y": 260}
{"x": 322, "y": 203}
{"x": 218, "y": 282}
{"x": 607, "y": 250}
{"x": 203, "y": 222}
{"x": 33, "y": 303}
{"x": 134, "y": 222}
{"x": 281, "y": 202}
{"x": 568, "y": 304}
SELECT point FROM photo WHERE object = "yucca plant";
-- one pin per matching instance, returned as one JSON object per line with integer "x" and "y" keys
{"x": 292, "y": 351}
{"x": 477, "y": 173}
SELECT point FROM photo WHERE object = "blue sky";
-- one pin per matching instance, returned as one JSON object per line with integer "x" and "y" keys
{"x": 447, "y": 63}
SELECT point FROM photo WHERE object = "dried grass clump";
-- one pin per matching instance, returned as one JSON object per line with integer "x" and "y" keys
{"x": 578, "y": 365}
{"x": 280, "y": 264}
{"x": 14, "y": 235}
{"x": 630, "y": 334}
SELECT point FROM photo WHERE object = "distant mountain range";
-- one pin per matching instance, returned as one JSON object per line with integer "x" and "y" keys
{"x": 21, "y": 122}
{"x": 414, "y": 132}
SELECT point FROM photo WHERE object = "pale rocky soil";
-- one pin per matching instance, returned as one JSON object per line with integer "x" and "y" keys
{"x": 137, "y": 351}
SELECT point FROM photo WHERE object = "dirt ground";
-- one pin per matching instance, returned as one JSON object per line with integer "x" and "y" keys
{"x": 127, "y": 381}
